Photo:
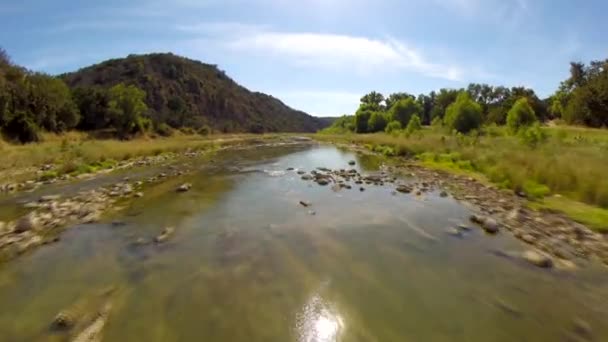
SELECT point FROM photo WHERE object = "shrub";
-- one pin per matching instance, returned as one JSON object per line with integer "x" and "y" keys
{"x": 437, "y": 122}
{"x": 164, "y": 130}
{"x": 463, "y": 115}
{"x": 393, "y": 126}
{"x": 520, "y": 115}
{"x": 532, "y": 136}
{"x": 204, "y": 130}
{"x": 361, "y": 120}
{"x": 414, "y": 125}
{"x": 377, "y": 122}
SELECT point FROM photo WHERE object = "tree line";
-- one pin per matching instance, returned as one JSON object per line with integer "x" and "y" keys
{"x": 32, "y": 102}
{"x": 582, "y": 99}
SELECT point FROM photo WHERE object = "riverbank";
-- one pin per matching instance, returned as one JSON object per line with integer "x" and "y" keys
{"x": 564, "y": 173}
{"x": 62, "y": 158}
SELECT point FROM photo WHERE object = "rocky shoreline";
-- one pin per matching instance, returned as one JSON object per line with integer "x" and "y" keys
{"x": 551, "y": 235}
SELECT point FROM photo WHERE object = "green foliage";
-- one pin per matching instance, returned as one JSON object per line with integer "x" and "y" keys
{"x": 403, "y": 110}
{"x": 437, "y": 122}
{"x": 362, "y": 119}
{"x": 393, "y": 126}
{"x": 93, "y": 104}
{"x": 343, "y": 124}
{"x": 126, "y": 107}
{"x": 373, "y": 100}
{"x": 396, "y": 97}
{"x": 377, "y": 122}
{"x": 463, "y": 115}
{"x": 204, "y": 130}
{"x": 534, "y": 190}
{"x": 520, "y": 116}
{"x": 414, "y": 125}
{"x": 50, "y": 100}
{"x": 163, "y": 129}
{"x": 532, "y": 136}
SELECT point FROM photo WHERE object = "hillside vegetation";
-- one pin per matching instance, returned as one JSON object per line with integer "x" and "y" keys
{"x": 139, "y": 94}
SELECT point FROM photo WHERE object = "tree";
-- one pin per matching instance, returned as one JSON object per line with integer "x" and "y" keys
{"x": 395, "y": 97}
{"x": 427, "y": 103}
{"x": 51, "y": 103}
{"x": 93, "y": 104}
{"x": 464, "y": 114}
{"x": 377, "y": 122}
{"x": 127, "y": 107}
{"x": 588, "y": 102}
{"x": 520, "y": 116}
{"x": 403, "y": 110}
{"x": 373, "y": 99}
{"x": 443, "y": 99}
{"x": 414, "y": 125}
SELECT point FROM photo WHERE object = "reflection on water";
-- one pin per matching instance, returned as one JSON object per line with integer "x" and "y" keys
{"x": 319, "y": 321}
{"x": 249, "y": 263}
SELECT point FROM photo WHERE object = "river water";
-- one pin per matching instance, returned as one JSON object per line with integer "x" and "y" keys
{"x": 249, "y": 263}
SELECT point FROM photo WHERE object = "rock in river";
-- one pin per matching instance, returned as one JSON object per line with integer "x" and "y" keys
{"x": 305, "y": 203}
{"x": 164, "y": 235}
{"x": 490, "y": 225}
{"x": 404, "y": 188}
{"x": 184, "y": 187}
{"x": 306, "y": 177}
{"x": 352, "y": 162}
{"x": 322, "y": 181}
{"x": 26, "y": 223}
{"x": 538, "y": 259}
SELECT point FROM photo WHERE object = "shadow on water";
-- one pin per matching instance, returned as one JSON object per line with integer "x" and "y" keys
{"x": 249, "y": 263}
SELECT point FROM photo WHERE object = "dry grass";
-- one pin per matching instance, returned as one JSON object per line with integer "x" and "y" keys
{"x": 75, "y": 149}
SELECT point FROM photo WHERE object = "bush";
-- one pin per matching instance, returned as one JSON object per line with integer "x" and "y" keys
{"x": 520, "y": 115}
{"x": 437, "y": 122}
{"x": 377, "y": 122}
{"x": 463, "y": 115}
{"x": 204, "y": 130}
{"x": 414, "y": 125}
{"x": 532, "y": 136}
{"x": 164, "y": 130}
{"x": 393, "y": 126}
{"x": 361, "y": 120}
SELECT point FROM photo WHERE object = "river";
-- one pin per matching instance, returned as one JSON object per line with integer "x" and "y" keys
{"x": 248, "y": 262}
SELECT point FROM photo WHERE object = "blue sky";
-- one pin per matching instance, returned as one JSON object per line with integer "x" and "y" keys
{"x": 321, "y": 55}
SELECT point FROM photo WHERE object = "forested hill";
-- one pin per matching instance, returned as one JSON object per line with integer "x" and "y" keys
{"x": 185, "y": 93}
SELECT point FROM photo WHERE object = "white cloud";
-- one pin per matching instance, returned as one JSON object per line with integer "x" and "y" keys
{"x": 329, "y": 51}
{"x": 320, "y": 102}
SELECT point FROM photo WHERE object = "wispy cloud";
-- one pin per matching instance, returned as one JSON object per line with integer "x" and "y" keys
{"x": 323, "y": 50}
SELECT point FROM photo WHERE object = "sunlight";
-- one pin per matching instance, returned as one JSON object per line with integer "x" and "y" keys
{"x": 318, "y": 322}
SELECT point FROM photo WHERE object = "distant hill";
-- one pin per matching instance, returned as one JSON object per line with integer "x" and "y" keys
{"x": 187, "y": 93}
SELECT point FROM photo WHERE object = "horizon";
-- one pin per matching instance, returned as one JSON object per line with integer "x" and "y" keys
{"x": 321, "y": 56}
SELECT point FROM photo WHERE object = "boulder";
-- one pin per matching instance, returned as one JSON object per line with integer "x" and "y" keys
{"x": 490, "y": 225}
{"x": 538, "y": 259}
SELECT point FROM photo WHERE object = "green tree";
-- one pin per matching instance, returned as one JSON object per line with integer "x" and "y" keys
{"x": 51, "y": 102}
{"x": 373, "y": 99}
{"x": 414, "y": 125}
{"x": 443, "y": 99}
{"x": 94, "y": 106}
{"x": 361, "y": 120}
{"x": 127, "y": 108}
{"x": 463, "y": 115}
{"x": 377, "y": 122}
{"x": 521, "y": 115}
{"x": 393, "y": 126}
{"x": 403, "y": 110}
{"x": 396, "y": 97}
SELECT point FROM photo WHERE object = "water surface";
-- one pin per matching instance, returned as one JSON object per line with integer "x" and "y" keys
{"x": 249, "y": 263}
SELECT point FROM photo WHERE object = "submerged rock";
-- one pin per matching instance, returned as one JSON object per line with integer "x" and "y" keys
{"x": 443, "y": 194}
{"x": 453, "y": 232}
{"x": 165, "y": 235}
{"x": 538, "y": 259}
{"x": 322, "y": 181}
{"x": 184, "y": 187}
{"x": 352, "y": 162}
{"x": 404, "y": 188}
{"x": 305, "y": 203}
{"x": 306, "y": 177}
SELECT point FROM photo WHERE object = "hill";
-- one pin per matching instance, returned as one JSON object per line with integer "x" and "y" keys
{"x": 187, "y": 93}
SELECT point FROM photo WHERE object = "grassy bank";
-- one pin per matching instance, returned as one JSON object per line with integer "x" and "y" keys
{"x": 78, "y": 153}
{"x": 565, "y": 172}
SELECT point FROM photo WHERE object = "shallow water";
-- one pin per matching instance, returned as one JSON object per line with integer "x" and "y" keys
{"x": 249, "y": 263}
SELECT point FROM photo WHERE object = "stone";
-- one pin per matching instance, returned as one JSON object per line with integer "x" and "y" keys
{"x": 63, "y": 320}
{"x": 490, "y": 225}
{"x": 464, "y": 227}
{"x": 301, "y": 172}
{"x": 49, "y": 198}
{"x": 290, "y": 169}
{"x": 477, "y": 219}
{"x": 443, "y": 194}
{"x": 538, "y": 259}
{"x": 26, "y": 223}
{"x": 528, "y": 238}
{"x": 312, "y": 213}
{"x": 139, "y": 194}
{"x": 305, "y": 203}
{"x": 322, "y": 181}
{"x": 454, "y": 232}
{"x": 404, "y": 188}
{"x": 166, "y": 233}
{"x": 184, "y": 187}
{"x": 361, "y": 189}
{"x": 306, "y": 177}
{"x": 352, "y": 162}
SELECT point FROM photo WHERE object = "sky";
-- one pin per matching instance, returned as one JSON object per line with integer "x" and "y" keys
{"x": 321, "y": 56}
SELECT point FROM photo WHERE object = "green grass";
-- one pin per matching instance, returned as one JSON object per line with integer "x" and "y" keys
{"x": 594, "y": 217}
{"x": 571, "y": 162}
